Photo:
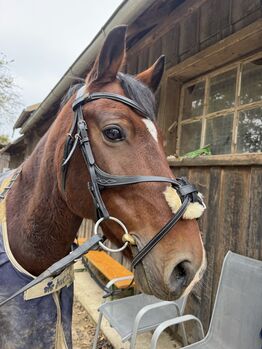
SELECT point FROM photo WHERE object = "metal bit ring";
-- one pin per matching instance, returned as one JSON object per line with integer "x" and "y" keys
{"x": 126, "y": 234}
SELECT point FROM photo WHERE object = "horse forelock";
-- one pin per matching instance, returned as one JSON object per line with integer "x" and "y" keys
{"x": 70, "y": 92}
{"x": 133, "y": 89}
{"x": 138, "y": 92}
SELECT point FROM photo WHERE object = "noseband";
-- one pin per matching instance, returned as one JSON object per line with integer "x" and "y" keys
{"x": 100, "y": 180}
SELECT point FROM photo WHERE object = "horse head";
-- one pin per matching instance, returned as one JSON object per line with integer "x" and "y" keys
{"x": 124, "y": 143}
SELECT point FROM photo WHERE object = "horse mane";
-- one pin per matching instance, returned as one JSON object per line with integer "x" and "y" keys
{"x": 138, "y": 92}
{"x": 70, "y": 92}
{"x": 133, "y": 88}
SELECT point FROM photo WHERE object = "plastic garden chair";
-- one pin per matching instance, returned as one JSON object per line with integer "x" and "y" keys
{"x": 133, "y": 315}
{"x": 237, "y": 315}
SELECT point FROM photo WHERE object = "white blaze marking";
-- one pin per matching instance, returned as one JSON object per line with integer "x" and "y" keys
{"x": 199, "y": 273}
{"x": 151, "y": 128}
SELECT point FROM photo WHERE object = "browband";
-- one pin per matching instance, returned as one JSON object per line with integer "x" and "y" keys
{"x": 113, "y": 96}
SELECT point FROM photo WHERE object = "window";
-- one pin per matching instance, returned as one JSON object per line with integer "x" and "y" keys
{"x": 224, "y": 110}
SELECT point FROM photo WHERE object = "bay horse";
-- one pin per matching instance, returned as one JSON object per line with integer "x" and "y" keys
{"x": 115, "y": 123}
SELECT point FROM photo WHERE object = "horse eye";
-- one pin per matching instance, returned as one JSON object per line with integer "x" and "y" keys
{"x": 114, "y": 133}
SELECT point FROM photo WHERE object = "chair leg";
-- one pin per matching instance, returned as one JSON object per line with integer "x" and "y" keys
{"x": 184, "y": 336}
{"x": 97, "y": 330}
{"x": 133, "y": 339}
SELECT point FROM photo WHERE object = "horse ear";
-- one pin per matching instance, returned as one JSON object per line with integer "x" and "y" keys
{"x": 111, "y": 57}
{"x": 152, "y": 76}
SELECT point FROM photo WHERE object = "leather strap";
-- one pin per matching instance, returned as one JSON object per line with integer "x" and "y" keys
{"x": 113, "y": 96}
{"x": 90, "y": 162}
{"x": 162, "y": 233}
{"x": 56, "y": 268}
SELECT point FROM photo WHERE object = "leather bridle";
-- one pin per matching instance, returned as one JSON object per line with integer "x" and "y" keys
{"x": 99, "y": 179}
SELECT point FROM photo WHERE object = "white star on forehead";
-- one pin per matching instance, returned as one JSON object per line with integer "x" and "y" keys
{"x": 151, "y": 128}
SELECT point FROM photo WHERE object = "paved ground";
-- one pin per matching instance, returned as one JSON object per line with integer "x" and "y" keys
{"x": 84, "y": 330}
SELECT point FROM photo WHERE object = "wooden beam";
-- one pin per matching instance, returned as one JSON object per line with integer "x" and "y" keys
{"x": 218, "y": 160}
{"x": 225, "y": 51}
{"x": 165, "y": 22}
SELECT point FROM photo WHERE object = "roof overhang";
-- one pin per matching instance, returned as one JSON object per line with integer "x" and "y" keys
{"x": 126, "y": 13}
{"x": 15, "y": 146}
{"x": 25, "y": 115}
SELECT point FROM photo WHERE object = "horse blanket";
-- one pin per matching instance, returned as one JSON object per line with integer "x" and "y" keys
{"x": 41, "y": 317}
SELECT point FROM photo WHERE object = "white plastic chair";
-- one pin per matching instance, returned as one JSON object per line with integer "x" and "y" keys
{"x": 237, "y": 315}
{"x": 133, "y": 315}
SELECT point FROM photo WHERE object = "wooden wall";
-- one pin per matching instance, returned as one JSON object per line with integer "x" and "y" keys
{"x": 232, "y": 221}
{"x": 189, "y": 28}
{"x": 233, "y": 194}
{"x": 4, "y": 161}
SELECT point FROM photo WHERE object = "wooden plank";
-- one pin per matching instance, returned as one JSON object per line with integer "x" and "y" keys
{"x": 234, "y": 211}
{"x": 143, "y": 60}
{"x": 201, "y": 179}
{"x": 244, "y": 8}
{"x": 155, "y": 51}
{"x": 180, "y": 13}
{"x": 188, "y": 39}
{"x": 132, "y": 64}
{"x": 225, "y": 19}
{"x": 254, "y": 235}
{"x": 170, "y": 43}
{"x": 218, "y": 160}
{"x": 169, "y": 111}
{"x": 86, "y": 229}
{"x": 233, "y": 218}
{"x": 181, "y": 172}
{"x": 209, "y": 24}
{"x": 227, "y": 50}
{"x": 211, "y": 244}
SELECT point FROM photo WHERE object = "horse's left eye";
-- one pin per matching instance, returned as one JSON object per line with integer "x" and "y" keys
{"x": 114, "y": 133}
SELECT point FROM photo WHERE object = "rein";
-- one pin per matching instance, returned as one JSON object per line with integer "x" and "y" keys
{"x": 100, "y": 180}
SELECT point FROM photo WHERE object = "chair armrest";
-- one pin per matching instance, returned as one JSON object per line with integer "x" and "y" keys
{"x": 145, "y": 310}
{"x": 175, "y": 321}
{"x": 113, "y": 281}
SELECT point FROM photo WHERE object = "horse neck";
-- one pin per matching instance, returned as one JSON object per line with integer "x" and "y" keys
{"x": 43, "y": 228}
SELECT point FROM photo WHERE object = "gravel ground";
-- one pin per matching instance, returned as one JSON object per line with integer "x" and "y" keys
{"x": 84, "y": 330}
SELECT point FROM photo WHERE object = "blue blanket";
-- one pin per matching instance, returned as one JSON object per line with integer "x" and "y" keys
{"x": 40, "y": 318}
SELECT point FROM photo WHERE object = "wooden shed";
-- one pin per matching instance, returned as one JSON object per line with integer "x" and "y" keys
{"x": 211, "y": 94}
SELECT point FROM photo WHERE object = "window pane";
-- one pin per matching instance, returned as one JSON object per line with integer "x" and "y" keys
{"x": 222, "y": 91}
{"x": 190, "y": 137}
{"x": 194, "y": 100}
{"x": 250, "y": 131}
{"x": 251, "y": 82}
{"x": 219, "y": 134}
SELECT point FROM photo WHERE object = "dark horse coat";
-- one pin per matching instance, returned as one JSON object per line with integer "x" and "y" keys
{"x": 41, "y": 317}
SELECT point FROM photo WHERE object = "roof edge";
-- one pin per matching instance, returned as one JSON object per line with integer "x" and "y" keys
{"x": 124, "y": 14}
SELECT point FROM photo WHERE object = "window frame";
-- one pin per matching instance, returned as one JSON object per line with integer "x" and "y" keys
{"x": 238, "y": 65}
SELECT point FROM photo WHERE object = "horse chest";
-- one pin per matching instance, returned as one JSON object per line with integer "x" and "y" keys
{"x": 42, "y": 317}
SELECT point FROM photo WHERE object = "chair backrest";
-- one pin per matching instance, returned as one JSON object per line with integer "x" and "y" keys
{"x": 237, "y": 316}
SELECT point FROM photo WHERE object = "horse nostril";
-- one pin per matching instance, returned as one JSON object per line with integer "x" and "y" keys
{"x": 181, "y": 276}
